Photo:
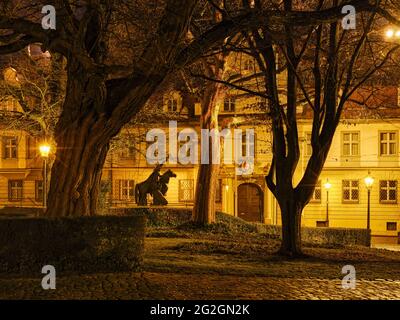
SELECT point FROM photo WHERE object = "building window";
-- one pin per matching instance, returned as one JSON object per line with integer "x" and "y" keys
{"x": 252, "y": 145}
{"x": 172, "y": 105}
{"x": 127, "y": 190}
{"x": 9, "y": 104}
{"x": 218, "y": 191}
{"x": 39, "y": 190}
{"x": 388, "y": 191}
{"x": 31, "y": 149}
{"x": 388, "y": 143}
{"x": 316, "y": 196}
{"x": 10, "y": 147}
{"x": 128, "y": 152}
{"x": 229, "y": 105}
{"x": 351, "y": 144}
{"x": 15, "y": 188}
{"x": 308, "y": 145}
{"x": 350, "y": 190}
{"x": 249, "y": 65}
{"x": 186, "y": 190}
{"x": 391, "y": 226}
{"x": 184, "y": 147}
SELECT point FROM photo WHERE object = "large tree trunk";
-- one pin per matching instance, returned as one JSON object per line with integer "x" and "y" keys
{"x": 99, "y": 102}
{"x": 76, "y": 172}
{"x": 291, "y": 228}
{"x": 204, "y": 205}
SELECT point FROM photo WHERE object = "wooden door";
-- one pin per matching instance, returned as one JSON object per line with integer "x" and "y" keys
{"x": 250, "y": 202}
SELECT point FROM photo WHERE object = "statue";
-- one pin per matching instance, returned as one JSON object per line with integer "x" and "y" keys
{"x": 156, "y": 185}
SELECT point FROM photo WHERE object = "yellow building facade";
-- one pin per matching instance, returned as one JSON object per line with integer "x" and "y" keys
{"x": 360, "y": 147}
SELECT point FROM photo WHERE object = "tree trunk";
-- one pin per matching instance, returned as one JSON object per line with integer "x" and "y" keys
{"x": 291, "y": 228}
{"x": 76, "y": 172}
{"x": 83, "y": 134}
{"x": 82, "y": 137}
{"x": 204, "y": 208}
{"x": 204, "y": 205}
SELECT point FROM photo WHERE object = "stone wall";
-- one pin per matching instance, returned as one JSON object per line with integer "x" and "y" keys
{"x": 83, "y": 244}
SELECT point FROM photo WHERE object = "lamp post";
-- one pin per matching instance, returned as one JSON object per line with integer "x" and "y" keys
{"x": 44, "y": 152}
{"x": 392, "y": 33}
{"x": 369, "y": 181}
{"x": 327, "y": 186}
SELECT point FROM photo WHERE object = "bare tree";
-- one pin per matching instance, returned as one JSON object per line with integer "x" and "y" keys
{"x": 34, "y": 85}
{"x": 118, "y": 52}
{"x": 326, "y": 65}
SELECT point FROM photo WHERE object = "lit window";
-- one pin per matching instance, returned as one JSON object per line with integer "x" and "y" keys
{"x": 388, "y": 143}
{"x": 15, "y": 189}
{"x": 186, "y": 190}
{"x": 10, "y": 147}
{"x": 388, "y": 191}
{"x": 351, "y": 144}
{"x": 350, "y": 190}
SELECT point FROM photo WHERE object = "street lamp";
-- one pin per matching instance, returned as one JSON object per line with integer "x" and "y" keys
{"x": 369, "y": 181}
{"x": 392, "y": 33}
{"x": 44, "y": 152}
{"x": 327, "y": 186}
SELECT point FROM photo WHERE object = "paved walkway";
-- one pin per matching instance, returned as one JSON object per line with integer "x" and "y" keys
{"x": 177, "y": 268}
{"x": 180, "y": 286}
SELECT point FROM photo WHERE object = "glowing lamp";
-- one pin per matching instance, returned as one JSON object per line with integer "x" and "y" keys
{"x": 44, "y": 150}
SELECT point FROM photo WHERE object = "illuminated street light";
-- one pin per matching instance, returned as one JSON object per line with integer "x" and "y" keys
{"x": 389, "y": 33}
{"x": 327, "y": 186}
{"x": 44, "y": 152}
{"x": 392, "y": 33}
{"x": 369, "y": 181}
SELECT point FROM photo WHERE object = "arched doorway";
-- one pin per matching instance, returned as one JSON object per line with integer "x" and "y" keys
{"x": 250, "y": 202}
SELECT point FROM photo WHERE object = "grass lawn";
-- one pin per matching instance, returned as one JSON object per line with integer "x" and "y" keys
{"x": 250, "y": 254}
